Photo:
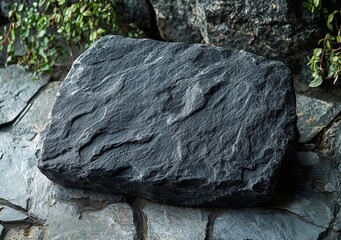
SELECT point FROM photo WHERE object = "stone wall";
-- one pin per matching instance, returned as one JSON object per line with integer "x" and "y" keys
{"x": 277, "y": 29}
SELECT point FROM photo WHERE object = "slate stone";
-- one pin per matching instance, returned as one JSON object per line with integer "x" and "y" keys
{"x": 34, "y": 120}
{"x": 69, "y": 221}
{"x": 25, "y": 233}
{"x": 16, "y": 90}
{"x": 277, "y": 29}
{"x": 45, "y": 193}
{"x": 330, "y": 142}
{"x": 259, "y": 224}
{"x": 167, "y": 222}
{"x": 314, "y": 115}
{"x": 17, "y": 163}
{"x": 17, "y": 146}
{"x": 171, "y": 122}
{"x": 8, "y": 214}
{"x": 308, "y": 190}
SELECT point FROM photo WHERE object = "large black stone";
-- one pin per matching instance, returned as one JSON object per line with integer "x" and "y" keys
{"x": 171, "y": 122}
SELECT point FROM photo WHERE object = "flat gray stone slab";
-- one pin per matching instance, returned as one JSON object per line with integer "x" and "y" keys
{"x": 34, "y": 120}
{"x": 314, "y": 182}
{"x": 45, "y": 193}
{"x": 175, "y": 123}
{"x": 260, "y": 224}
{"x": 169, "y": 223}
{"x": 8, "y": 214}
{"x": 16, "y": 89}
{"x": 25, "y": 233}
{"x": 17, "y": 164}
{"x": 314, "y": 115}
{"x": 115, "y": 221}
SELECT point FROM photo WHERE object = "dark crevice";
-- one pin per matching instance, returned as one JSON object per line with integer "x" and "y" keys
{"x": 31, "y": 218}
{"x": 154, "y": 33}
{"x": 11, "y": 205}
{"x": 3, "y": 233}
{"x": 8, "y": 125}
{"x": 140, "y": 219}
{"x": 297, "y": 215}
{"x": 210, "y": 225}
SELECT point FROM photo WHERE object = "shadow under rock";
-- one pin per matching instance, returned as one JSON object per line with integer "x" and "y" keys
{"x": 308, "y": 188}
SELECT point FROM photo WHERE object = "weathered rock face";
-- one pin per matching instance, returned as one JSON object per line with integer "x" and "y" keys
{"x": 314, "y": 115}
{"x": 16, "y": 89}
{"x": 277, "y": 29}
{"x": 175, "y": 123}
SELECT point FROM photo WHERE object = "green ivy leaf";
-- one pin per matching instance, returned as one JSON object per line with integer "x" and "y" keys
{"x": 93, "y": 36}
{"x": 41, "y": 33}
{"x": 329, "y": 21}
{"x": 20, "y": 7}
{"x": 87, "y": 13}
{"x": 100, "y": 31}
{"x": 45, "y": 68}
{"x": 317, "y": 51}
{"x": 316, "y": 82}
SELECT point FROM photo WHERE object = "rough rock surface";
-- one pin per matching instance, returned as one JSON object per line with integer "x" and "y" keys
{"x": 16, "y": 89}
{"x": 25, "y": 233}
{"x": 171, "y": 122}
{"x": 166, "y": 222}
{"x": 308, "y": 203}
{"x": 314, "y": 115}
{"x": 16, "y": 154}
{"x": 277, "y": 29}
{"x": 262, "y": 224}
{"x": 8, "y": 214}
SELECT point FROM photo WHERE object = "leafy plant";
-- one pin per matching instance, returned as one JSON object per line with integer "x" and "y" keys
{"x": 325, "y": 63}
{"x": 52, "y": 28}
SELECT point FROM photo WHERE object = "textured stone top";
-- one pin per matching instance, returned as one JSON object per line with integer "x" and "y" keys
{"x": 175, "y": 123}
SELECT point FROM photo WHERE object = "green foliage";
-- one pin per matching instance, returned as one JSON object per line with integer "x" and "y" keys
{"x": 52, "y": 28}
{"x": 325, "y": 63}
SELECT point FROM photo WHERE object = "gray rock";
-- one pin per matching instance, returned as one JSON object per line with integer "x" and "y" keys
{"x": 307, "y": 190}
{"x": 259, "y": 224}
{"x": 314, "y": 115}
{"x": 34, "y": 120}
{"x": 44, "y": 194}
{"x": 8, "y": 214}
{"x": 16, "y": 90}
{"x": 17, "y": 160}
{"x": 314, "y": 208}
{"x": 25, "y": 233}
{"x": 310, "y": 169}
{"x": 179, "y": 124}
{"x": 1, "y": 229}
{"x": 330, "y": 143}
{"x": 276, "y": 29}
{"x": 166, "y": 222}
{"x": 17, "y": 163}
{"x": 71, "y": 222}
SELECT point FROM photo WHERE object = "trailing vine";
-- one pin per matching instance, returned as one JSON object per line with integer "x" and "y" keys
{"x": 325, "y": 62}
{"x": 49, "y": 29}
